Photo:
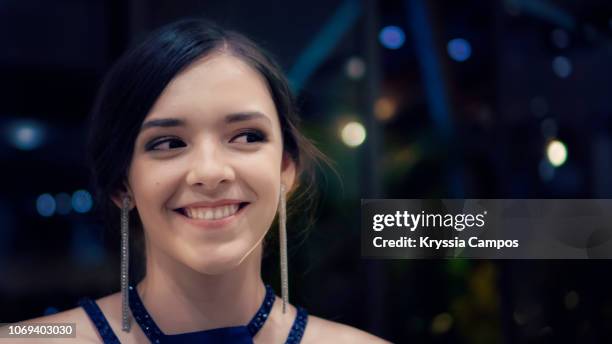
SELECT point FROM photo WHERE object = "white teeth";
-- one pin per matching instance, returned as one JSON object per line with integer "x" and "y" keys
{"x": 208, "y": 214}
{"x": 215, "y": 213}
{"x": 219, "y": 212}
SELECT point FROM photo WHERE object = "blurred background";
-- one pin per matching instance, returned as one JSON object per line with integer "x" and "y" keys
{"x": 411, "y": 99}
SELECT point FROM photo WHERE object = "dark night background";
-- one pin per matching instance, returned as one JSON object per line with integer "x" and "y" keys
{"x": 464, "y": 107}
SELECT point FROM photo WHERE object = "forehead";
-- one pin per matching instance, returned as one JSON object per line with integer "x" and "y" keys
{"x": 214, "y": 86}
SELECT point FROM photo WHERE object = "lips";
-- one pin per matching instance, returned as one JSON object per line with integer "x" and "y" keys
{"x": 205, "y": 217}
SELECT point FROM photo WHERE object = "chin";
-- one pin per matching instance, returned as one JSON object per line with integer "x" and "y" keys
{"x": 217, "y": 263}
{"x": 215, "y": 267}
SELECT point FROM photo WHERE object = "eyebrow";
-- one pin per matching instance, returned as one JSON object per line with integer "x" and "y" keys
{"x": 231, "y": 118}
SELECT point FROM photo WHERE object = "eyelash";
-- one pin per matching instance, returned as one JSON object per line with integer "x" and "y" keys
{"x": 151, "y": 146}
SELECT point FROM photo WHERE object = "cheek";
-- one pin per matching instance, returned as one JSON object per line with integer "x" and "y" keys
{"x": 261, "y": 172}
{"x": 153, "y": 185}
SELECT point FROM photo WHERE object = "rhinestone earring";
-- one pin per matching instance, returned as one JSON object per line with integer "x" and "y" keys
{"x": 125, "y": 263}
{"x": 282, "y": 227}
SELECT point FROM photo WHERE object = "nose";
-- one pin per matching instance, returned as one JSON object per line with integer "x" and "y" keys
{"x": 210, "y": 167}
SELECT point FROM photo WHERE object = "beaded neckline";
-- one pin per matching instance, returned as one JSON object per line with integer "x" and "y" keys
{"x": 155, "y": 335}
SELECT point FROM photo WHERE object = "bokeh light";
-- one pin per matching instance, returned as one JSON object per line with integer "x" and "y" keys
{"x": 355, "y": 68}
{"x": 384, "y": 108}
{"x": 459, "y": 49}
{"x": 556, "y": 152}
{"x": 441, "y": 323}
{"x": 571, "y": 300}
{"x": 26, "y": 134}
{"x": 562, "y": 66}
{"x": 45, "y": 205}
{"x": 82, "y": 201}
{"x": 353, "y": 134}
{"x": 63, "y": 203}
{"x": 392, "y": 37}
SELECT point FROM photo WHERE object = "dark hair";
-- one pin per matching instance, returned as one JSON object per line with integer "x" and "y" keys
{"x": 137, "y": 79}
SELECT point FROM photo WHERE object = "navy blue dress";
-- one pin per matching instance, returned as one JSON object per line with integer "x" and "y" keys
{"x": 235, "y": 334}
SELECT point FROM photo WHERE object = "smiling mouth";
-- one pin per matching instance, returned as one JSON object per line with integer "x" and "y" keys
{"x": 212, "y": 213}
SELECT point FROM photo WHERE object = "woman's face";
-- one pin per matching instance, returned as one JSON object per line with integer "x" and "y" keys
{"x": 211, "y": 144}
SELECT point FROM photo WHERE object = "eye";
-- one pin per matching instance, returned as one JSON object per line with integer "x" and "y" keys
{"x": 251, "y": 136}
{"x": 164, "y": 144}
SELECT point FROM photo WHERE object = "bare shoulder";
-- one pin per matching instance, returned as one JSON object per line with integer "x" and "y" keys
{"x": 85, "y": 331}
{"x": 319, "y": 330}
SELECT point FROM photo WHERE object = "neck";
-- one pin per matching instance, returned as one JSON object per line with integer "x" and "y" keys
{"x": 181, "y": 299}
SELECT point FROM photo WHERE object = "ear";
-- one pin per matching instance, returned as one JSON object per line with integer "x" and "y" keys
{"x": 288, "y": 172}
{"x": 117, "y": 197}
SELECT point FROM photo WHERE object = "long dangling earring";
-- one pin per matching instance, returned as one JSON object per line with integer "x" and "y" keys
{"x": 125, "y": 263}
{"x": 282, "y": 223}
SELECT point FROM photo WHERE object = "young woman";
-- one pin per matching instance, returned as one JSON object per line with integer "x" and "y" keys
{"x": 193, "y": 143}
